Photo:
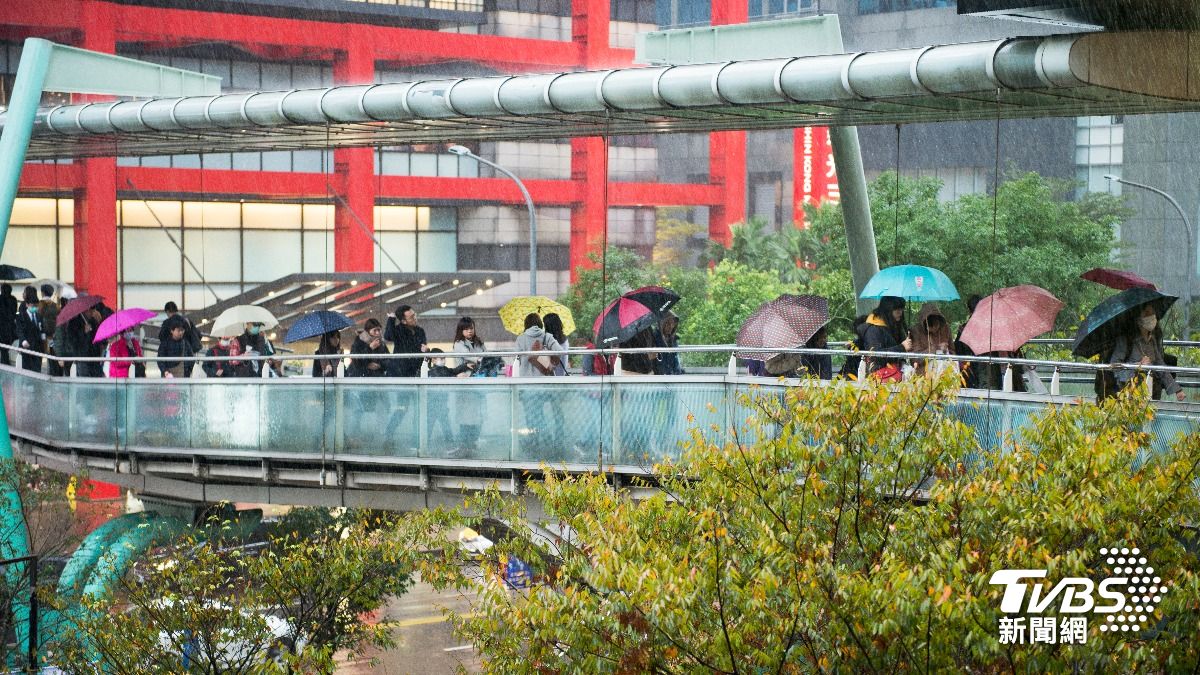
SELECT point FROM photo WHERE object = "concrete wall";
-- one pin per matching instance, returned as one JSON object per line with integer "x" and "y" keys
{"x": 1162, "y": 151}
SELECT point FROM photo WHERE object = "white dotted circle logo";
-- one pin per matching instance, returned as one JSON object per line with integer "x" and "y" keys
{"x": 1144, "y": 591}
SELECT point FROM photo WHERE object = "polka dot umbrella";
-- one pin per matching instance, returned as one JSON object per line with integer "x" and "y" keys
{"x": 786, "y": 322}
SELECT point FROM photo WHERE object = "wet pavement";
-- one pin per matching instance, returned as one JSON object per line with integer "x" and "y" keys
{"x": 424, "y": 641}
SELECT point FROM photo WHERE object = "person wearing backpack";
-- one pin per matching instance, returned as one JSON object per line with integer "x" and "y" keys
{"x": 543, "y": 436}
{"x": 1141, "y": 344}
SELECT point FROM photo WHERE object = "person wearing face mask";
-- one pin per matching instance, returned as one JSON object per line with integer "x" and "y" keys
{"x": 253, "y": 340}
{"x": 1142, "y": 345}
{"x": 230, "y": 367}
{"x": 124, "y": 346}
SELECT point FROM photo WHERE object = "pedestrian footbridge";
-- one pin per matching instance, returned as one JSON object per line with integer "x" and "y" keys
{"x": 401, "y": 444}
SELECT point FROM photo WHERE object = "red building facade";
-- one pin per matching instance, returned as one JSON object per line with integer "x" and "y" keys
{"x": 356, "y": 49}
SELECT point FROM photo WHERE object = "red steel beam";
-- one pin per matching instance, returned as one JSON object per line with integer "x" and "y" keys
{"x": 319, "y": 38}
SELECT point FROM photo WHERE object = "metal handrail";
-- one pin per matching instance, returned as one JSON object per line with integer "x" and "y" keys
{"x": 686, "y": 349}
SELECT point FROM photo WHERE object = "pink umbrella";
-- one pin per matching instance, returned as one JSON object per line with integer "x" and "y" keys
{"x": 1118, "y": 279}
{"x": 1010, "y": 317}
{"x": 122, "y": 320}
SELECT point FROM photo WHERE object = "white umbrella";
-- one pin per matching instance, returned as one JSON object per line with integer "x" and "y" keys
{"x": 61, "y": 288}
{"x": 233, "y": 321}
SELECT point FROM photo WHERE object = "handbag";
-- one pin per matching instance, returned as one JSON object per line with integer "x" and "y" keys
{"x": 889, "y": 373}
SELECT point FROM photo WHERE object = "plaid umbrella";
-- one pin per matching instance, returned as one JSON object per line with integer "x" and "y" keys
{"x": 786, "y": 322}
{"x": 513, "y": 313}
{"x": 1010, "y": 317}
{"x": 1103, "y": 324}
{"x": 77, "y": 306}
{"x": 658, "y": 299}
{"x": 1118, "y": 279}
{"x": 621, "y": 320}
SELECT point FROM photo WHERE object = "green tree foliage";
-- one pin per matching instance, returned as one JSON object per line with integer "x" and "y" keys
{"x": 797, "y": 546}
{"x": 320, "y": 573}
{"x": 677, "y": 242}
{"x": 732, "y": 293}
{"x": 1040, "y": 236}
{"x": 626, "y": 270}
{"x": 757, "y": 247}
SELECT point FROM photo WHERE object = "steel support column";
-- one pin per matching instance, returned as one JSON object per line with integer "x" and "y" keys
{"x": 589, "y": 160}
{"x": 589, "y": 215}
{"x": 353, "y": 249}
{"x": 727, "y": 149}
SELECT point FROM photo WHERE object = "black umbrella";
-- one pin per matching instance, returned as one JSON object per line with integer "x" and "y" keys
{"x": 14, "y": 273}
{"x": 1109, "y": 319}
{"x": 658, "y": 299}
{"x": 621, "y": 320}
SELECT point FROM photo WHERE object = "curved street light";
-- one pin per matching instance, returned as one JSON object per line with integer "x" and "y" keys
{"x": 1191, "y": 256}
{"x": 464, "y": 152}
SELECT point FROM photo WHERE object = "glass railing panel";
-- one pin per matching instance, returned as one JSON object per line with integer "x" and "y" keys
{"x": 380, "y": 418}
{"x": 299, "y": 418}
{"x": 653, "y": 418}
{"x": 31, "y": 409}
{"x": 468, "y": 420}
{"x": 224, "y": 416}
{"x": 1168, "y": 429}
{"x": 98, "y": 411}
{"x": 547, "y": 419}
{"x": 161, "y": 414}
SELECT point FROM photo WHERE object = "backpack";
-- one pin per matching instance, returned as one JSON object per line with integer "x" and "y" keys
{"x": 849, "y": 369}
{"x": 1106, "y": 384}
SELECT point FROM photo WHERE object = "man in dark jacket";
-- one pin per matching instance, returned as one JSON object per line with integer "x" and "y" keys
{"x": 8, "y": 322}
{"x": 174, "y": 348}
{"x": 190, "y": 333}
{"x": 409, "y": 338}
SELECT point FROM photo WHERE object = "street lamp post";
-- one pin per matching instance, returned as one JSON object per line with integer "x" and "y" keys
{"x": 1191, "y": 244}
{"x": 464, "y": 152}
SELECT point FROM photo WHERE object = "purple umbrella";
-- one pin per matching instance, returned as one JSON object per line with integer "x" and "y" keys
{"x": 122, "y": 320}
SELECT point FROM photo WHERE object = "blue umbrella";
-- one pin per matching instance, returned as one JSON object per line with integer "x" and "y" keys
{"x": 316, "y": 323}
{"x": 911, "y": 282}
{"x": 1102, "y": 326}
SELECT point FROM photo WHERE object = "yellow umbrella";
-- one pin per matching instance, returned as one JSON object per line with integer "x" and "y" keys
{"x": 513, "y": 313}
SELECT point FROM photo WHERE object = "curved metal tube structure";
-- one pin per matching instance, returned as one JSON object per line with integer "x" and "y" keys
{"x": 1099, "y": 71}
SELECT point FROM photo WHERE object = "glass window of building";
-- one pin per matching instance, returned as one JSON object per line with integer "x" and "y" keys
{"x": 884, "y": 6}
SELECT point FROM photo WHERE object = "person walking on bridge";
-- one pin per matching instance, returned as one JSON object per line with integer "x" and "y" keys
{"x": 8, "y": 322}
{"x": 29, "y": 331}
{"x": 407, "y": 338}
{"x": 886, "y": 331}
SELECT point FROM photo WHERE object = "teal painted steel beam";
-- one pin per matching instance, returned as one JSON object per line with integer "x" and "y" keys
{"x": 81, "y": 71}
{"x": 780, "y": 39}
{"x": 46, "y": 66}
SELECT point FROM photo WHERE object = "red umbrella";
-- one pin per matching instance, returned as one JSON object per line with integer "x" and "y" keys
{"x": 77, "y": 306}
{"x": 786, "y": 322}
{"x": 1118, "y": 279}
{"x": 1010, "y": 317}
{"x": 621, "y": 320}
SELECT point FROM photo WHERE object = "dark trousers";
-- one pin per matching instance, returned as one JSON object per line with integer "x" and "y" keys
{"x": 31, "y": 362}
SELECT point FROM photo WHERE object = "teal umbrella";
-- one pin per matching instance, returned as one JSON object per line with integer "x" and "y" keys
{"x": 911, "y": 282}
{"x": 1102, "y": 326}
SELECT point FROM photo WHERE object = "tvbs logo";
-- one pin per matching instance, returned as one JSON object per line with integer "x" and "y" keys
{"x": 1126, "y": 600}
